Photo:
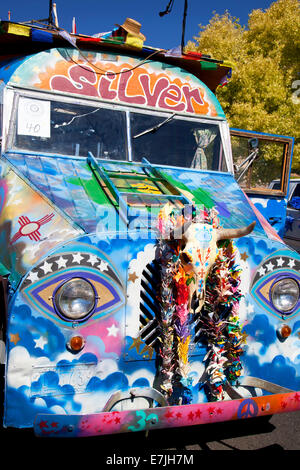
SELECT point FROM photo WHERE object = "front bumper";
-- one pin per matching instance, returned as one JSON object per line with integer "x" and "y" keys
{"x": 114, "y": 422}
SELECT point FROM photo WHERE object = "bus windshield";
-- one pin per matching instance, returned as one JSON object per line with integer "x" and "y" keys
{"x": 116, "y": 133}
{"x": 176, "y": 141}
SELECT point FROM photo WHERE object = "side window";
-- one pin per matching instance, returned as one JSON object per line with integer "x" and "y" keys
{"x": 296, "y": 192}
{"x": 261, "y": 161}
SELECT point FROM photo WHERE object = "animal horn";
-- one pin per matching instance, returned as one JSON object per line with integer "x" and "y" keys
{"x": 228, "y": 233}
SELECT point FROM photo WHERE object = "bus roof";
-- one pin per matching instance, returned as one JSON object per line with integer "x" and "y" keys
{"x": 19, "y": 40}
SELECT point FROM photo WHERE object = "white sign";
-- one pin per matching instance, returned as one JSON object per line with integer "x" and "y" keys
{"x": 34, "y": 117}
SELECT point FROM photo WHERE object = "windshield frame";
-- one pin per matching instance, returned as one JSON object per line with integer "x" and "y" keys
{"x": 11, "y": 109}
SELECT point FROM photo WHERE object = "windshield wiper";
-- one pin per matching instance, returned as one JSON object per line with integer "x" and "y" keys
{"x": 155, "y": 128}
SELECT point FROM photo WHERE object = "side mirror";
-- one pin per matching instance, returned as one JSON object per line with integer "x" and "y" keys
{"x": 253, "y": 143}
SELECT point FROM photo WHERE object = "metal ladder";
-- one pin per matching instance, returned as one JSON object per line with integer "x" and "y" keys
{"x": 147, "y": 173}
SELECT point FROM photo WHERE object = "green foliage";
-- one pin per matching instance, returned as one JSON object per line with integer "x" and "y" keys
{"x": 262, "y": 93}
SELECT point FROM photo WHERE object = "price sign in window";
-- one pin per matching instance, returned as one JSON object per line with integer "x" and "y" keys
{"x": 34, "y": 117}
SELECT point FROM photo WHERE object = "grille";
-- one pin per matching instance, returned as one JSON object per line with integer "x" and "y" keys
{"x": 149, "y": 307}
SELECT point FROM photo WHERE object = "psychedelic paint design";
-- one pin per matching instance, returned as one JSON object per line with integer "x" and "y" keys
{"x": 132, "y": 281}
{"x": 117, "y": 79}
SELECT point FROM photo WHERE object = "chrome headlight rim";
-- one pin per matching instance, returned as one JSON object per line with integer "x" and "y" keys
{"x": 296, "y": 305}
{"x": 56, "y": 295}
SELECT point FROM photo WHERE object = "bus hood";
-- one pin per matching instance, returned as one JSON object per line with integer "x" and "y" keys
{"x": 92, "y": 196}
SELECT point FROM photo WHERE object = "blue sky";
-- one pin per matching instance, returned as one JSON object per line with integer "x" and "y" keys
{"x": 94, "y": 16}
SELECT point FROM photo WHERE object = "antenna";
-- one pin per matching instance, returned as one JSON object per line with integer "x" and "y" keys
{"x": 169, "y": 9}
{"x": 51, "y": 21}
{"x": 183, "y": 24}
{"x": 50, "y": 18}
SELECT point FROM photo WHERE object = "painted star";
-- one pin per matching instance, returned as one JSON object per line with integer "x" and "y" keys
{"x": 43, "y": 424}
{"x": 270, "y": 266}
{"x": 244, "y": 256}
{"x": 77, "y": 258}
{"x": 291, "y": 263}
{"x": 33, "y": 276}
{"x": 103, "y": 266}
{"x": 40, "y": 343}
{"x": 262, "y": 271}
{"x": 93, "y": 259}
{"x": 132, "y": 277}
{"x": 15, "y": 338}
{"x": 250, "y": 308}
{"x": 297, "y": 397}
{"x": 280, "y": 261}
{"x": 61, "y": 262}
{"x": 169, "y": 414}
{"x": 136, "y": 343}
{"x": 112, "y": 330}
{"x": 47, "y": 267}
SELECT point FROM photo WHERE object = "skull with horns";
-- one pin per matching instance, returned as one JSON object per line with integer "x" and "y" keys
{"x": 198, "y": 239}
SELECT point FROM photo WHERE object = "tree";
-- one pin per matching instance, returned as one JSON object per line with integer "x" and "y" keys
{"x": 264, "y": 91}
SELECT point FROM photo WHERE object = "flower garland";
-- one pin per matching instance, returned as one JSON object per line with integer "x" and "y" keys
{"x": 219, "y": 321}
{"x": 174, "y": 324}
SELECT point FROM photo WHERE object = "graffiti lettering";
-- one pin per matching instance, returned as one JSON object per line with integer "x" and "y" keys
{"x": 123, "y": 88}
{"x": 144, "y": 421}
{"x": 190, "y": 95}
{"x": 160, "y": 85}
{"x": 172, "y": 93}
{"x": 104, "y": 87}
{"x": 129, "y": 86}
{"x": 81, "y": 80}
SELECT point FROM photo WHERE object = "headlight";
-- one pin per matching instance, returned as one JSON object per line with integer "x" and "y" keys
{"x": 75, "y": 299}
{"x": 285, "y": 294}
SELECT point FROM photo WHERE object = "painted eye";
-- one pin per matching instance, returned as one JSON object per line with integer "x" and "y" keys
{"x": 276, "y": 285}
{"x": 74, "y": 287}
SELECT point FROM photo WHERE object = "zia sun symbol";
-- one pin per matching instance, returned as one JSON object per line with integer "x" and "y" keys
{"x": 30, "y": 228}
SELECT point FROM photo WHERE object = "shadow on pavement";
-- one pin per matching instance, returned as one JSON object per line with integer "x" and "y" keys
{"x": 179, "y": 439}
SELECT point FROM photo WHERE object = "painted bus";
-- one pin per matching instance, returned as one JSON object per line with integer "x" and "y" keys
{"x": 140, "y": 286}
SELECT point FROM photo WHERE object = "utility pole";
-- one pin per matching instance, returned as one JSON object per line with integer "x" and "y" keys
{"x": 183, "y": 24}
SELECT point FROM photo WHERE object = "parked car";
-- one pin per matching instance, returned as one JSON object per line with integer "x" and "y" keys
{"x": 292, "y": 223}
{"x": 262, "y": 164}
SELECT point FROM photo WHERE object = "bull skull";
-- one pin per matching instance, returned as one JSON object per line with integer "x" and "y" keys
{"x": 198, "y": 252}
